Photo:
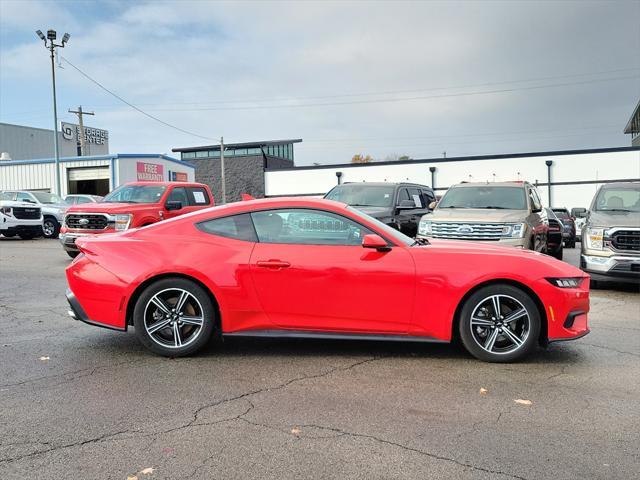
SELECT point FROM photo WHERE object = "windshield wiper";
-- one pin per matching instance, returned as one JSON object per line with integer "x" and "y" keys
{"x": 496, "y": 207}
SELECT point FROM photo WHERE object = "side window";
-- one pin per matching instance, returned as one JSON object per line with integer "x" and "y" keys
{"x": 307, "y": 227}
{"x": 416, "y": 197}
{"x": 178, "y": 194}
{"x": 239, "y": 227}
{"x": 535, "y": 200}
{"x": 403, "y": 194}
{"x": 198, "y": 196}
{"x": 428, "y": 197}
{"x": 23, "y": 196}
{"x": 7, "y": 196}
{"x": 81, "y": 200}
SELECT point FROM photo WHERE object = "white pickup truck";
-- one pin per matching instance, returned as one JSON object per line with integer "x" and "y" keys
{"x": 18, "y": 218}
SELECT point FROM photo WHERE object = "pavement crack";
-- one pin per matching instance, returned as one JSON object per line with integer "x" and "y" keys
{"x": 605, "y": 347}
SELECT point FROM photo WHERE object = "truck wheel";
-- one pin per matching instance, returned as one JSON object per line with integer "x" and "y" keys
{"x": 9, "y": 235}
{"x": 50, "y": 227}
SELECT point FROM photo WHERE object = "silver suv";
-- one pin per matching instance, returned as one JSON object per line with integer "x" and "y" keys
{"x": 610, "y": 247}
{"x": 507, "y": 213}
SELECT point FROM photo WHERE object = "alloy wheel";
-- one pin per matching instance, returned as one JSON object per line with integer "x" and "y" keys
{"x": 500, "y": 324}
{"x": 48, "y": 228}
{"x": 173, "y": 318}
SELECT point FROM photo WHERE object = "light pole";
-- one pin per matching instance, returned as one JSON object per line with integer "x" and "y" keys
{"x": 51, "y": 45}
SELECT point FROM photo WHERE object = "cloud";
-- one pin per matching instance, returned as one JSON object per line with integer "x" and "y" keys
{"x": 175, "y": 57}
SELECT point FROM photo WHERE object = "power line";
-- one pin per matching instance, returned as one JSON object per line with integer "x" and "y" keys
{"x": 132, "y": 105}
{"x": 394, "y": 92}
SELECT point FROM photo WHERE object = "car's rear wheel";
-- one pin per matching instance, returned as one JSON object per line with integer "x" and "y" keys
{"x": 174, "y": 317}
{"x": 499, "y": 323}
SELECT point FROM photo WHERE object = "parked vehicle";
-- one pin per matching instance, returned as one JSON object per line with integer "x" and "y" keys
{"x": 579, "y": 217}
{"x": 51, "y": 205}
{"x": 610, "y": 248}
{"x": 399, "y": 205}
{"x": 507, "y": 213}
{"x": 568, "y": 226}
{"x": 554, "y": 235}
{"x": 130, "y": 206}
{"x": 75, "y": 199}
{"x": 16, "y": 218}
{"x": 247, "y": 269}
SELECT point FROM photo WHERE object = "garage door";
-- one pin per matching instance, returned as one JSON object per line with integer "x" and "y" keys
{"x": 89, "y": 173}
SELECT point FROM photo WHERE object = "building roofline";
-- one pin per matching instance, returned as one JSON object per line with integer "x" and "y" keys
{"x": 28, "y": 127}
{"x": 460, "y": 159}
{"x": 111, "y": 156}
{"x": 636, "y": 112}
{"x": 237, "y": 145}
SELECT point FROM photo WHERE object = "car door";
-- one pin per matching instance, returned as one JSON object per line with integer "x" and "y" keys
{"x": 177, "y": 194}
{"x": 537, "y": 221}
{"x": 312, "y": 273}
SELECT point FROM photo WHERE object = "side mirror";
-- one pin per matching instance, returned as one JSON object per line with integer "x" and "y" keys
{"x": 406, "y": 204}
{"x": 433, "y": 205}
{"x": 578, "y": 212}
{"x": 375, "y": 241}
{"x": 173, "y": 205}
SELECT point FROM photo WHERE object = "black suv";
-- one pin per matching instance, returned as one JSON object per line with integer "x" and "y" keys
{"x": 399, "y": 205}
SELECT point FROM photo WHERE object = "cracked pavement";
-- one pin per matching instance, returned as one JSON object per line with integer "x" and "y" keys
{"x": 101, "y": 407}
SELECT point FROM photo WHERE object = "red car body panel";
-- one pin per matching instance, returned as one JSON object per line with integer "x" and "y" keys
{"x": 142, "y": 213}
{"x": 408, "y": 290}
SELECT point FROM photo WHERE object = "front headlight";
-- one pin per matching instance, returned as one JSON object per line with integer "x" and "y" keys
{"x": 123, "y": 221}
{"x": 514, "y": 230}
{"x": 424, "y": 227}
{"x": 595, "y": 238}
{"x": 567, "y": 282}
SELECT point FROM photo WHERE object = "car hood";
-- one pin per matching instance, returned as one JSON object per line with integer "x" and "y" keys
{"x": 12, "y": 203}
{"x": 375, "y": 212}
{"x": 476, "y": 215}
{"x": 614, "y": 219}
{"x": 109, "y": 207}
{"x": 505, "y": 256}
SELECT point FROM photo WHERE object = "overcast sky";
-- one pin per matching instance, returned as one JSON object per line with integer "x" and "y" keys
{"x": 378, "y": 78}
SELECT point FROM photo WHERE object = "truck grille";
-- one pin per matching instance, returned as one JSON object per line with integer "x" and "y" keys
{"x": 86, "y": 221}
{"x": 25, "y": 213}
{"x": 467, "y": 231}
{"x": 626, "y": 240}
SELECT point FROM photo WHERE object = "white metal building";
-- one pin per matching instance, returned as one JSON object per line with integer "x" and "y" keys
{"x": 95, "y": 175}
{"x": 573, "y": 176}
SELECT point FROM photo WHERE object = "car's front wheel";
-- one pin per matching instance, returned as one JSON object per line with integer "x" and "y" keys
{"x": 174, "y": 317}
{"x": 499, "y": 323}
{"x": 50, "y": 227}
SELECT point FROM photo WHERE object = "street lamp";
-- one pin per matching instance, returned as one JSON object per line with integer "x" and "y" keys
{"x": 49, "y": 43}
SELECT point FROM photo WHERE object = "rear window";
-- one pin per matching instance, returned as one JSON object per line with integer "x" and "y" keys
{"x": 239, "y": 227}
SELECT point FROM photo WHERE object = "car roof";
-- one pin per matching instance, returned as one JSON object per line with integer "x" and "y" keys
{"x": 390, "y": 184}
{"x": 520, "y": 184}
{"x": 165, "y": 184}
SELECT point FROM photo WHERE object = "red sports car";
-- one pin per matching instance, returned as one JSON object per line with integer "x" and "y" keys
{"x": 295, "y": 267}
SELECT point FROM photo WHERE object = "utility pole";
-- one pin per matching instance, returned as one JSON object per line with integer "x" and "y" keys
{"x": 51, "y": 46}
{"x": 222, "y": 179}
{"x": 83, "y": 144}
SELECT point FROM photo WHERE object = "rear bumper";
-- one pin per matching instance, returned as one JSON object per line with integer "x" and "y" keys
{"x": 77, "y": 313}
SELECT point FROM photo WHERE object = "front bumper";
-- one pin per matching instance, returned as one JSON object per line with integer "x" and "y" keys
{"x": 68, "y": 241}
{"x": 621, "y": 268}
{"x": 18, "y": 229}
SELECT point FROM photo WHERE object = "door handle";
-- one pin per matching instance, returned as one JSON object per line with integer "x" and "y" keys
{"x": 273, "y": 264}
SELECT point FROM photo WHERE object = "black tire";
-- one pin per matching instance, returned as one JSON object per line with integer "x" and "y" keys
{"x": 27, "y": 236}
{"x": 9, "y": 235}
{"x": 164, "y": 341}
{"x": 73, "y": 254}
{"x": 50, "y": 227}
{"x": 558, "y": 253}
{"x": 527, "y": 330}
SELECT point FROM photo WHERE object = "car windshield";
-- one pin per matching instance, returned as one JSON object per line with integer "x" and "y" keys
{"x": 136, "y": 194}
{"x": 386, "y": 229}
{"x": 44, "y": 197}
{"x": 562, "y": 214}
{"x": 618, "y": 199}
{"x": 485, "y": 196}
{"x": 362, "y": 195}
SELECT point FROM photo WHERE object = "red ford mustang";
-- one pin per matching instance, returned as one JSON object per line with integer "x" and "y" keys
{"x": 320, "y": 269}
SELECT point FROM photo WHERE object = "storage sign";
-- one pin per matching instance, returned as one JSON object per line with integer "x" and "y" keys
{"x": 150, "y": 172}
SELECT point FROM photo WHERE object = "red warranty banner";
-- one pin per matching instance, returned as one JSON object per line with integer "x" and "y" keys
{"x": 150, "y": 172}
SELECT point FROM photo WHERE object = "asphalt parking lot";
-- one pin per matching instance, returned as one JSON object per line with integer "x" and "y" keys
{"x": 86, "y": 403}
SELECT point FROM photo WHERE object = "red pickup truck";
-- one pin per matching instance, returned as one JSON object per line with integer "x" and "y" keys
{"x": 130, "y": 206}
